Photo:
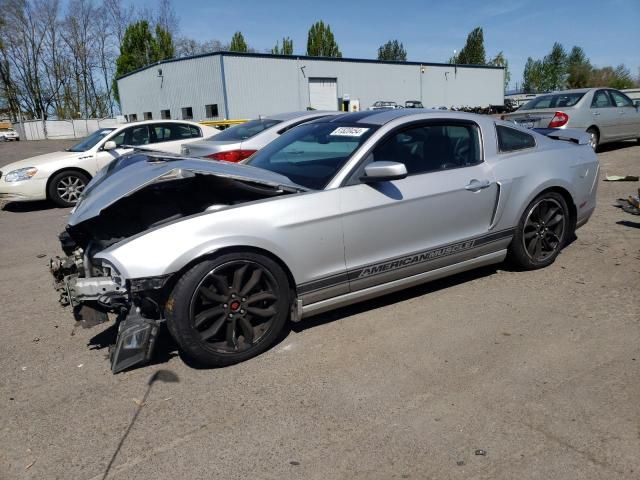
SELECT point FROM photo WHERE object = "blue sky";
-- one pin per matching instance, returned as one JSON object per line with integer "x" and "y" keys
{"x": 608, "y": 31}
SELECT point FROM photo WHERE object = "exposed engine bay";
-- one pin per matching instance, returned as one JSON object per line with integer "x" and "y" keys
{"x": 94, "y": 289}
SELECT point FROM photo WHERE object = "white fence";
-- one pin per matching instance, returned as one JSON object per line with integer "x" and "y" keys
{"x": 58, "y": 129}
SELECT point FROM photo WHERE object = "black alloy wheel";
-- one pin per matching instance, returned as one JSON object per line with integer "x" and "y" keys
{"x": 544, "y": 229}
{"x": 229, "y": 309}
{"x": 234, "y": 306}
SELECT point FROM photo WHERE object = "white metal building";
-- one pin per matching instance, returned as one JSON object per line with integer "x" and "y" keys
{"x": 229, "y": 85}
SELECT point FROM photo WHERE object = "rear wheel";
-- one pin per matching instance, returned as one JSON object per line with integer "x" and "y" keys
{"x": 594, "y": 137}
{"x": 66, "y": 187}
{"x": 542, "y": 232}
{"x": 229, "y": 309}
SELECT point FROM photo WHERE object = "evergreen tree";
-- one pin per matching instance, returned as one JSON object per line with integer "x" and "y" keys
{"x": 392, "y": 50}
{"x": 555, "y": 67}
{"x": 500, "y": 61}
{"x": 578, "y": 68}
{"x": 320, "y": 41}
{"x": 237, "y": 43}
{"x": 473, "y": 51}
{"x": 140, "y": 48}
{"x": 287, "y": 47}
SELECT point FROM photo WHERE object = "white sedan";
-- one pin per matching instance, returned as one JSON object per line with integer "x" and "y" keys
{"x": 62, "y": 176}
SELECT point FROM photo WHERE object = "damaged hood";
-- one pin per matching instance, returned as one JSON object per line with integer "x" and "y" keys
{"x": 131, "y": 173}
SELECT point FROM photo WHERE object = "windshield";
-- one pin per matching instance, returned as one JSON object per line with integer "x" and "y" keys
{"x": 245, "y": 130}
{"x": 312, "y": 154}
{"x": 91, "y": 140}
{"x": 554, "y": 101}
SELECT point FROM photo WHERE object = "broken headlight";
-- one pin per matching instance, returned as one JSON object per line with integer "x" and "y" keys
{"x": 148, "y": 283}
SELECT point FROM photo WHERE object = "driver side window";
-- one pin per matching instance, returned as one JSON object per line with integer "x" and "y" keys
{"x": 432, "y": 147}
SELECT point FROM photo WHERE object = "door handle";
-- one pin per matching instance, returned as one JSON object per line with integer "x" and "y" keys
{"x": 596, "y": 113}
{"x": 476, "y": 185}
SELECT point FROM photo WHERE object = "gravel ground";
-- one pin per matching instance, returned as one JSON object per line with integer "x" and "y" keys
{"x": 539, "y": 370}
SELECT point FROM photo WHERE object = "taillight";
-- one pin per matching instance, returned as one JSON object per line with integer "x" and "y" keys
{"x": 560, "y": 119}
{"x": 232, "y": 155}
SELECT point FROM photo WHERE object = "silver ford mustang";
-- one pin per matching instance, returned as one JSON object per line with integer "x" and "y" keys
{"x": 333, "y": 212}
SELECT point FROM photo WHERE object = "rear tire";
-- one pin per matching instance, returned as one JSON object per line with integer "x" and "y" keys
{"x": 66, "y": 187}
{"x": 595, "y": 138}
{"x": 229, "y": 309}
{"x": 542, "y": 232}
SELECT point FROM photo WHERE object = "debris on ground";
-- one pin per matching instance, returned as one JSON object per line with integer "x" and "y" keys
{"x": 621, "y": 178}
{"x": 140, "y": 403}
{"x": 460, "y": 463}
{"x": 481, "y": 452}
{"x": 630, "y": 204}
{"x": 41, "y": 255}
{"x": 30, "y": 465}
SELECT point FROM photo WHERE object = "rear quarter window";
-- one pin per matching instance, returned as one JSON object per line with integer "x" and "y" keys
{"x": 512, "y": 140}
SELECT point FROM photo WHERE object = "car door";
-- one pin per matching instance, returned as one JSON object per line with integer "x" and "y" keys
{"x": 605, "y": 115}
{"x": 436, "y": 216}
{"x": 122, "y": 137}
{"x": 628, "y": 115}
{"x": 169, "y": 136}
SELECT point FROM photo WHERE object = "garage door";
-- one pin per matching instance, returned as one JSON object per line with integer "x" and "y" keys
{"x": 323, "y": 93}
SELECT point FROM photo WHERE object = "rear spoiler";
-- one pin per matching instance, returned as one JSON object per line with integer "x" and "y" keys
{"x": 569, "y": 134}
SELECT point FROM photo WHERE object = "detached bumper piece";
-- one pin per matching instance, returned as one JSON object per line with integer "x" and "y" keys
{"x": 136, "y": 340}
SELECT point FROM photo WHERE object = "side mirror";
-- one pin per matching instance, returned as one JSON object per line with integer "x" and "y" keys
{"x": 636, "y": 103}
{"x": 110, "y": 145}
{"x": 383, "y": 171}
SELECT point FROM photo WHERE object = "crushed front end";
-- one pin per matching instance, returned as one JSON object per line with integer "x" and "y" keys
{"x": 95, "y": 290}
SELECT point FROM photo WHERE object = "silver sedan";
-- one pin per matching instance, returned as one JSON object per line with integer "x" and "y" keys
{"x": 241, "y": 141}
{"x": 333, "y": 212}
{"x": 608, "y": 115}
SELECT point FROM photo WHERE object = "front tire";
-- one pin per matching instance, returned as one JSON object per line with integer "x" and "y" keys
{"x": 66, "y": 187}
{"x": 542, "y": 232}
{"x": 229, "y": 309}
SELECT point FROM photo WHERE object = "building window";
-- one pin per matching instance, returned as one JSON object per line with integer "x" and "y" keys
{"x": 165, "y": 114}
{"x": 148, "y": 116}
{"x": 187, "y": 113}
{"x": 212, "y": 110}
{"x": 133, "y": 117}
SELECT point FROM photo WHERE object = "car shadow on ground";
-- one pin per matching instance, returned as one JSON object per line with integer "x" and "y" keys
{"x": 24, "y": 207}
{"x": 610, "y": 147}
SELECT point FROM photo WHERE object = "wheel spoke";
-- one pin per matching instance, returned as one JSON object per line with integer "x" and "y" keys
{"x": 237, "y": 277}
{"x": 555, "y": 220}
{"x": 207, "y": 314}
{"x": 247, "y": 329}
{"x": 550, "y": 213}
{"x": 212, "y": 296}
{"x": 257, "y": 297}
{"x": 213, "y": 329}
{"x": 262, "y": 312}
{"x": 531, "y": 245}
{"x": 231, "y": 333}
{"x": 252, "y": 282}
{"x": 538, "y": 249}
{"x": 220, "y": 283}
{"x": 529, "y": 235}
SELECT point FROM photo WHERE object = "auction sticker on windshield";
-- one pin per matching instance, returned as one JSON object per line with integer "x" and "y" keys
{"x": 349, "y": 131}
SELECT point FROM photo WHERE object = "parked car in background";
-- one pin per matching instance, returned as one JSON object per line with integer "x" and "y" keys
{"x": 62, "y": 176}
{"x": 382, "y": 104}
{"x": 413, "y": 104}
{"x": 241, "y": 141}
{"x": 608, "y": 115}
{"x": 332, "y": 212}
{"x": 8, "y": 134}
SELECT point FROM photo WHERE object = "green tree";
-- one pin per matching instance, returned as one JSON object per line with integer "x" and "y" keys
{"x": 392, "y": 50}
{"x": 533, "y": 76}
{"x": 619, "y": 77}
{"x": 578, "y": 68}
{"x": 555, "y": 68}
{"x": 140, "y": 48}
{"x": 321, "y": 43}
{"x": 237, "y": 43}
{"x": 473, "y": 51}
{"x": 501, "y": 61}
{"x": 286, "y": 49}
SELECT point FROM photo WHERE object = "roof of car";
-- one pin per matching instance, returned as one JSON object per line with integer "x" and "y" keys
{"x": 301, "y": 114}
{"x": 380, "y": 117}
